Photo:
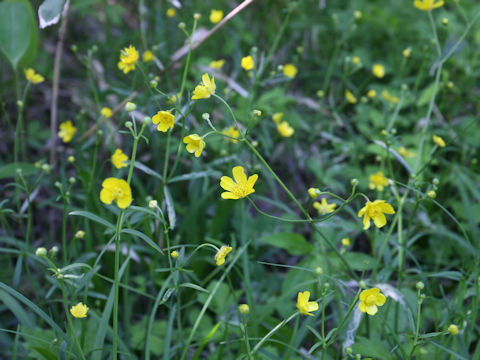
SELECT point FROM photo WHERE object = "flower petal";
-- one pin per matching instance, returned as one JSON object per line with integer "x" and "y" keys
{"x": 227, "y": 183}
{"x": 372, "y": 310}
{"x": 380, "y": 220}
{"x": 252, "y": 180}
{"x": 380, "y": 300}
{"x": 229, "y": 195}
{"x": 239, "y": 175}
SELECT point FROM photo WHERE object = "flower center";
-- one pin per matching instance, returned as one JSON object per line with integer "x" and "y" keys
{"x": 240, "y": 190}
{"x": 370, "y": 300}
{"x": 118, "y": 192}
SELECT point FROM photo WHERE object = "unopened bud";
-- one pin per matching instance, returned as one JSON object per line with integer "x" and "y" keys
{"x": 432, "y": 194}
{"x": 197, "y": 16}
{"x": 147, "y": 120}
{"x": 72, "y": 180}
{"x": 354, "y": 182}
{"x": 129, "y": 106}
{"x": 420, "y": 285}
{"x": 71, "y": 159}
{"x": 41, "y": 252}
{"x": 318, "y": 270}
{"x": 153, "y": 204}
{"x": 244, "y": 309}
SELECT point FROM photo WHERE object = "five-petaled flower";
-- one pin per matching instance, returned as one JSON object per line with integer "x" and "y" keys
{"x": 378, "y": 181}
{"x": 232, "y": 133}
{"x": 67, "y": 130}
{"x": 195, "y": 144}
{"x": 239, "y": 188}
{"x": 378, "y": 71}
{"x": 221, "y": 254}
{"x": 370, "y": 299}
{"x": 375, "y": 210}
{"x": 439, "y": 141}
{"x": 164, "y": 119}
{"x": 324, "y": 207}
{"x": 118, "y": 190}
{"x": 79, "y": 311}
{"x": 119, "y": 158}
{"x": 427, "y": 5}
{"x": 128, "y": 59}
{"x": 247, "y": 62}
{"x": 304, "y": 306}
{"x": 285, "y": 130}
{"x": 216, "y": 16}
{"x": 205, "y": 89}
{"x": 33, "y": 77}
{"x": 106, "y": 112}
{"x": 290, "y": 70}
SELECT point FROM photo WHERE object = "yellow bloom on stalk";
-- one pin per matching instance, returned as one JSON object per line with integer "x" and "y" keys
{"x": 216, "y": 16}
{"x": 427, "y": 5}
{"x": 118, "y": 190}
{"x": 375, "y": 210}
{"x": 195, "y": 144}
{"x": 119, "y": 158}
{"x": 174, "y": 98}
{"x": 350, "y": 97}
{"x": 247, "y": 63}
{"x": 147, "y": 56}
{"x": 106, "y": 112}
{"x": 346, "y": 242}
{"x": 324, "y": 207}
{"x": 313, "y": 192}
{"x": 290, "y": 70}
{"x": 405, "y": 153}
{"x": 304, "y": 306}
{"x": 205, "y": 89}
{"x": 232, "y": 132}
{"x": 277, "y": 117}
{"x": 378, "y": 71}
{"x": 217, "y": 64}
{"x": 370, "y": 299}
{"x": 79, "y": 311}
{"x": 67, "y": 130}
{"x": 239, "y": 188}
{"x": 164, "y": 119}
{"x": 378, "y": 181}
{"x": 80, "y": 234}
{"x": 128, "y": 59}
{"x": 284, "y": 129}
{"x": 33, "y": 77}
{"x": 174, "y": 254}
{"x": 221, "y": 254}
{"x": 439, "y": 141}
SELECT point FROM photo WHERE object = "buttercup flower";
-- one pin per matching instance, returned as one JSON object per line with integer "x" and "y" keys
{"x": 118, "y": 190}
{"x": 216, "y": 16}
{"x": 427, "y": 5}
{"x": 205, "y": 89}
{"x": 128, "y": 59}
{"x": 370, "y": 299}
{"x": 375, "y": 210}
{"x": 106, "y": 112}
{"x": 217, "y": 64}
{"x": 164, "y": 119}
{"x": 79, "y": 311}
{"x": 171, "y": 12}
{"x": 244, "y": 309}
{"x": 304, "y": 306}
{"x": 405, "y": 153}
{"x": 174, "y": 254}
{"x": 346, "y": 242}
{"x": 239, "y": 188}
{"x": 284, "y": 129}
{"x": 407, "y": 52}
{"x": 350, "y": 97}
{"x": 147, "y": 56}
{"x": 290, "y": 70}
{"x": 195, "y": 144}
{"x": 378, "y": 181}
{"x": 313, "y": 192}
{"x": 67, "y": 130}
{"x": 277, "y": 117}
{"x": 439, "y": 141}
{"x": 378, "y": 71}
{"x": 33, "y": 77}
{"x": 371, "y": 94}
{"x": 119, "y": 158}
{"x": 221, "y": 254}
{"x": 232, "y": 132}
{"x": 324, "y": 207}
{"x": 453, "y": 329}
{"x": 247, "y": 63}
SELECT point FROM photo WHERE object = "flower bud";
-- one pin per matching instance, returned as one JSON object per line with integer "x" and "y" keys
{"x": 257, "y": 113}
{"x": 129, "y": 106}
{"x": 72, "y": 180}
{"x": 147, "y": 120}
{"x": 445, "y": 22}
{"x": 54, "y": 251}
{"x": 318, "y": 270}
{"x": 153, "y": 204}
{"x": 57, "y": 184}
{"x": 357, "y": 14}
{"x": 71, "y": 159}
{"x": 153, "y": 83}
{"x": 181, "y": 25}
{"x": 41, "y": 252}
{"x": 128, "y": 124}
{"x": 197, "y": 16}
{"x": 46, "y": 168}
{"x": 20, "y": 103}
{"x": 320, "y": 93}
{"x": 314, "y": 192}
{"x": 174, "y": 254}
{"x": 99, "y": 132}
{"x": 453, "y": 329}
{"x": 420, "y": 285}
{"x": 244, "y": 309}
{"x": 80, "y": 234}
{"x": 354, "y": 182}
{"x": 74, "y": 48}
{"x": 362, "y": 284}
{"x": 348, "y": 350}
{"x": 432, "y": 194}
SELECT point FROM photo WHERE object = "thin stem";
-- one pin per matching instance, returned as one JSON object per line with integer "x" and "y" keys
{"x": 271, "y": 332}
{"x": 69, "y": 320}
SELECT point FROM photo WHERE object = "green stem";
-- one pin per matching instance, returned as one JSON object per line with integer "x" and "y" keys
{"x": 271, "y": 332}
{"x": 417, "y": 331}
{"x": 69, "y": 320}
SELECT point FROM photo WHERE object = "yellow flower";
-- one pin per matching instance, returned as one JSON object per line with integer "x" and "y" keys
{"x": 277, "y": 117}
{"x": 439, "y": 141}
{"x": 356, "y": 60}
{"x": 313, "y": 192}
{"x": 174, "y": 98}
{"x": 216, "y": 16}
{"x": 147, "y": 56}
{"x": 80, "y": 234}
{"x": 405, "y": 153}
{"x": 164, "y": 119}
{"x": 350, "y": 97}
{"x": 324, "y": 207}
{"x": 174, "y": 254}
{"x": 305, "y": 306}
{"x": 393, "y": 99}
{"x": 453, "y": 329}
{"x": 375, "y": 210}
{"x": 247, "y": 63}
{"x": 407, "y": 52}
{"x": 106, "y": 112}
{"x": 67, "y": 130}
{"x": 195, "y": 144}
{"x": 371, "y": 94}
{"x": 221, "y": 254}
{"x": 119, "y": 158}
{"x": 346, "y": 242}
{"x": 205, "y": 89}
{"x": 79, "y": 311}
{"x": 370, "y": 299}
{"x": 427, "y": 5}
{"x": 232, "y": 132}
{"x": 239, "y": 188}
{"x": 128, "y": 59}
{"x": 171, "y": 12}
{"x": 378, "y": 70}
{"x": 217, "y": 64}
{"x": 290, "y": 70}
{"x": 33, "y": 77}
{"x": 118, "y": 190}
{"x": 284, "y": 129}
{"x": 378, "y": 181}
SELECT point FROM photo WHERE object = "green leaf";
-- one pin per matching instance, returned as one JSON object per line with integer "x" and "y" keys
{"x": 23, "y": 317}
{"x": 144, "y": 238}
{"x": 294, "y": 244}
{"x": 15, "y": 30}
{"x": 9, "y": 170}
{"x": 370, "y": 347}
{"x": 49, "y": 12}
{"x": 359, "y": 261}
{"x": 426, "y": 95}
{"x": 93, "y": 217}
{"x": 31, "y": 53}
